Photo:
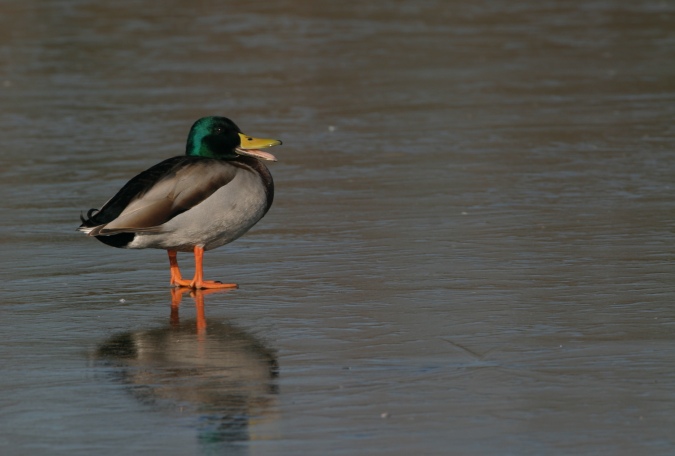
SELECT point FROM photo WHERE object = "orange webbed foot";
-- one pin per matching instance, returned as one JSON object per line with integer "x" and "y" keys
{"x": 197, "y": 283}
{"x": 212, "y": 285}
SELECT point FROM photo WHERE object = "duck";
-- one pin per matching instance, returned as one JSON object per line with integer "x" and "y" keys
{"x": 192, "y": 203}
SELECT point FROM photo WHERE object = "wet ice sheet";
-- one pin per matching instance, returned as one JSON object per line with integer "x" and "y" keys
{"x": 470, "y": 249}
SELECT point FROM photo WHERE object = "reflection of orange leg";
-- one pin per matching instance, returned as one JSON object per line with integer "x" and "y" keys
{"x": 198, "y": 296}
{"x": 176, "y": 296}
{"x": 198, "y": 282}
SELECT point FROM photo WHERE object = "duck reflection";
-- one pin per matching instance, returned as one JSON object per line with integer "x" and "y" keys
{"x": 218, "y": 373}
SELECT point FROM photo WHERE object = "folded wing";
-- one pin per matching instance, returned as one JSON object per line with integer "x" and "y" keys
{"x": 159, "y": 194}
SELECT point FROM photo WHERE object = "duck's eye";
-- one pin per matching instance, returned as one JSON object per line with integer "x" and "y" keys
{"x": 218, "y": 130}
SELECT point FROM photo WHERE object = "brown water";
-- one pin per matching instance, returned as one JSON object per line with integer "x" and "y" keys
{"x": 470, "y": 252}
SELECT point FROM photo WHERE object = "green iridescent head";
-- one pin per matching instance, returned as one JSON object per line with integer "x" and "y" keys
{"x": 219, "y": 137}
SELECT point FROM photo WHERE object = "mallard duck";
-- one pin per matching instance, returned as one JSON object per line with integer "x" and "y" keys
{"x": 191, "y": 203}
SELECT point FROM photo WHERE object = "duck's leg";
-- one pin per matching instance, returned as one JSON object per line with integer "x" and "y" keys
{"x": 176, "y": 278}
{"x": 198, "y": 282}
